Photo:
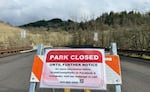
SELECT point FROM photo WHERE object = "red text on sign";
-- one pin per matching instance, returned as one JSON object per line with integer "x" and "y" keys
{"x": 74, "y": 56}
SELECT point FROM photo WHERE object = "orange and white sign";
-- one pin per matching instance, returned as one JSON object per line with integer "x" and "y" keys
{"x": 37, "y": 69}
{"x": 112, "y": 62}
{"x": 113, "y": 71}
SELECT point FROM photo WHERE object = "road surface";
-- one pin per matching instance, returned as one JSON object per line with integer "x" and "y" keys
{"x": 15, "y": 74}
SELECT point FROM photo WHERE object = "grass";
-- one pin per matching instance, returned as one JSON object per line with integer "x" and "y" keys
{"x": 137, "y": 56}
{"x": 8, "y": 35}
{"x": 145, "y": 57}
{"x": 11, "y": 37}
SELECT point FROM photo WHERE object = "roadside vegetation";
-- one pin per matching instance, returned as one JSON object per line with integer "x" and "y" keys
{"x": 11, "y": 37}
{"x": 130, "y": 30}
{"x": 146, "y": 57}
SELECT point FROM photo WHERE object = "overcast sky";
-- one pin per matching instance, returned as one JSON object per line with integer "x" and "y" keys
{"x": 18, "y": 12}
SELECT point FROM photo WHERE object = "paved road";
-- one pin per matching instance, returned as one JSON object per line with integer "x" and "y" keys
{"x": 15, "y": 74}
{"x": 135, "y": 74}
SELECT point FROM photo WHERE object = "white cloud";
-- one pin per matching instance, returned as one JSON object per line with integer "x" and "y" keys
{"x": 19, "y": 12}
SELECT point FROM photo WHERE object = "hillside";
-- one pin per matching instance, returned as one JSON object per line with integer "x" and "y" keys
{"x": 130, "y": 30}
{"x": 112, "y": 20}
{"x": 6, "y": 27}
{"x": 51, "y": 24}
{"x": 10, "y": 36}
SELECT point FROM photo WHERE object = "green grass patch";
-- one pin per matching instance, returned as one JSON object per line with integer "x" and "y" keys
{"x": 137, "y": 56}
{"x": 134, "y": 55}
{"x": 145, "y": 57}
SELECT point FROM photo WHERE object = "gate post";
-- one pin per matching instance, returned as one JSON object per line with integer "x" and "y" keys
{"x": 33, "y": 84}
{"x": 114, "y": 52}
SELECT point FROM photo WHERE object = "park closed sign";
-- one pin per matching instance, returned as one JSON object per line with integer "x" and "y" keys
{"x": 74, "y": 68}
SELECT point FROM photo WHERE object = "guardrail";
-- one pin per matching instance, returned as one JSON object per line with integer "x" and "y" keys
{"x": 138, "y": 52}
{"x": 120, "y": 51}
{"x": 14, "y": 50}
